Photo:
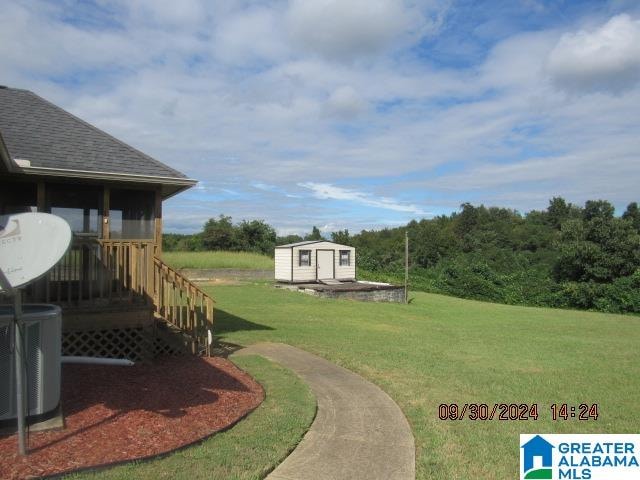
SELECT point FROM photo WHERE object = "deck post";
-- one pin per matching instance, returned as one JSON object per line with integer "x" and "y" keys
{"x": 40, "y": 287}
{"x": 157, "y": 247}
{"x": 106, "y": 196}
{"x": 157, "y": 211}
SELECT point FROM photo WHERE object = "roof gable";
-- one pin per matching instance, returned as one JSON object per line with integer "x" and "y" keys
{"x": 298, "y": 244}
{"x": 310, "y": 242}
{"x": 49, "y": 137}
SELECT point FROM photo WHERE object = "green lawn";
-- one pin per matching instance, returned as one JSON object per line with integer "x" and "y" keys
{"x": 440, "y": 349}
{"x": 218, "y": 259}
{"x": 251, "y": 449}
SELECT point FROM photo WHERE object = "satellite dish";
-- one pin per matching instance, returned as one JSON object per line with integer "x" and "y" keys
{"x": 30, "y": 245}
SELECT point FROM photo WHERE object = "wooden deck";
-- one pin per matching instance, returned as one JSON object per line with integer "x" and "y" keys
{"x": 107, "y": 317}
{"x": 122, "y": 286}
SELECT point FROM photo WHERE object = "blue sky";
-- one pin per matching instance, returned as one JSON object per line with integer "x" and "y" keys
{"x": 348, "y": 113}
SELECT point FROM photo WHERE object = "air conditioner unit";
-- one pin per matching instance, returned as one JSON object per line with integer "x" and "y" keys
{"x": 42, "y": 339}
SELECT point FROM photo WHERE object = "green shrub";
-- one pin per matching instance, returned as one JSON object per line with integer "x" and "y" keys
{"x": 620, "y": 296}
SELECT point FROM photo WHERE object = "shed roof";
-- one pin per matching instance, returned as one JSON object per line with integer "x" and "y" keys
{"x": 309, "y": 242}
{"x": 54, "y": 141}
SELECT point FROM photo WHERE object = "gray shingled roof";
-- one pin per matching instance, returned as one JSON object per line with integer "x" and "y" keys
{"x": 36, "y": 130}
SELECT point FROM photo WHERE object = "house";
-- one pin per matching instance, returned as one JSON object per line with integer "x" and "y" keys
{"x": 116, "y": 293}
{"x": 313, "y": 261}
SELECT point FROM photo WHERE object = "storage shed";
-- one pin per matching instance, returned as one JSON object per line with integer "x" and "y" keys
{"x": 314, "y": 260}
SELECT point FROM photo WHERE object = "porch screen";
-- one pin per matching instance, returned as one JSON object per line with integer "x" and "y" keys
{"x": 17, "y": 197}
{"x": 79, "y": 205}
{"x": 131, "y": 214}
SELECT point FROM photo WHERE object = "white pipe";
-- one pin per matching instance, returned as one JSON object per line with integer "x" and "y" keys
{"x": 118, "y": 362}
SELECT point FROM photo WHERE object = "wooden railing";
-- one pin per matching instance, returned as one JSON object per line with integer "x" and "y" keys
{"x": 183, "y": 304}
{"x": 99, "y": 272}
{"x": 128, "y": 264}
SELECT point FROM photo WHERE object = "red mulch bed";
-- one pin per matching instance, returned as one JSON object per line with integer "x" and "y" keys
{"x": 114, "y": 414}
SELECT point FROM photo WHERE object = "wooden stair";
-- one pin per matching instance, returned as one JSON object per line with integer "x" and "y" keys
{"x": 184, "y": 308}
{"x": 170, "y": 340}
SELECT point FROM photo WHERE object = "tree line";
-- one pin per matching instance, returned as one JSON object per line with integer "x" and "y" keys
{"x": 222, "y": 234}
{"x": 566, "y": 256}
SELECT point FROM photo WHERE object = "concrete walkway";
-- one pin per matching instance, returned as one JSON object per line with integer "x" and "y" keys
{"x": 359, "y": 432}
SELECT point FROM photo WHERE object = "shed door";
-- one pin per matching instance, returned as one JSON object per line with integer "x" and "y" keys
{"x": 325, "y": 264}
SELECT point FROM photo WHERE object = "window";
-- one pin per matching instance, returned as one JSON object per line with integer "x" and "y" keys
{"x": 345, "y": 258}
{"x": 305, "y": 258}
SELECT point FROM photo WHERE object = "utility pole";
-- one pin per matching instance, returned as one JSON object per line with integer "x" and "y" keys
{"x": 406, "y": 267}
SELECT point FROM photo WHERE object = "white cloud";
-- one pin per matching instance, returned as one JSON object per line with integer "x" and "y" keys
{"x": 251, "y": 36}
{"x": 606, "y": 58}
{"x": 344, "y": 102}
{"x": 347, "y": 29}
{"x": 327, "y": 191}
{"x": 275, "y": 94}
{"x": 185, "y": 13}
{"x": 518, "y": 61}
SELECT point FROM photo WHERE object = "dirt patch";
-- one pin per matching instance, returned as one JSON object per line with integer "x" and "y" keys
{"x": 217, "y": 281}
{"x": 226, "y": 275}
{"x": 115, "y": 414}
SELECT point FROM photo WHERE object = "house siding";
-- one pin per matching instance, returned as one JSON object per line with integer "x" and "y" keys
{"x": 304, "y": 274}
{"x": 283, "y": 264}
{"x": 346, "y": 272}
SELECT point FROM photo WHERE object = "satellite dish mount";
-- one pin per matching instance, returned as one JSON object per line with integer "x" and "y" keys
{"x": 23, "y": 260}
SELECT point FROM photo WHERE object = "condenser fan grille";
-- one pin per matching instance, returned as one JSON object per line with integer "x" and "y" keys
{"x": 34, "y": 362}
{"x": 41, "y": 329}
{"x": 6, "y": 370}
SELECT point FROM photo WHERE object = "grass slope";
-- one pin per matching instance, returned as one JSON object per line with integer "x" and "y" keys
{"x": 441, "y": 349}
{"x": 249, "y": 450}
{"x": 218, "y": 259}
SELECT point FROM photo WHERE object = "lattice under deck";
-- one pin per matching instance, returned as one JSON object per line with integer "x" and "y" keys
{"x": 138, "y": 344}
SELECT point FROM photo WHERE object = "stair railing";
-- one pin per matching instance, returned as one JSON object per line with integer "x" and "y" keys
{"x": 183, "y": 304}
